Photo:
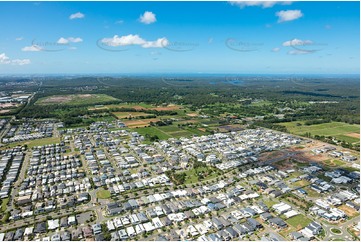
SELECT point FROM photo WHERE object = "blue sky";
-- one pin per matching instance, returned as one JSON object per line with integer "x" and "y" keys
{"x": 180, "y": 37}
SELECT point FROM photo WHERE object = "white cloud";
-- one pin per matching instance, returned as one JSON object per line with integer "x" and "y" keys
{"x": 297, "y": 42}
{"x": 6, "y": 60}
{"x": 77, "y": 15}
{"x": 19, "y": 38}
{"x": 147, "y": 18}
{"x": 288, "y": 15}
{"x": 75, "y": 40}
{"x": 62, "y": 41}
{"x": 21, "y": 62}
{"x": 276, "y": 49}
{"x": 32, "y": 48}
{"x": 159, "y": 43}
{"x": 263, "y": 4}
{"x": 134, "y": 40}
{"x": 68, "y": 40}
{"x": 123, "y": 40}
{"x": 119, "y": 22}
{"x": 298, "y": 52}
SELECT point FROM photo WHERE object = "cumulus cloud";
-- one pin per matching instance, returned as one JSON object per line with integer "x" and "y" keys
{"x": 263, "y": 4}
{"x": 297, "y": 42}
{"x": 288, "y": 15}
{"x": 159, "y": 43}
{"x": 32, "y": 48}
{"x": 6, "y": 60}
{"x": 147, "y": 18}
{"x": 68, "y": 40}
{"x": 19, "y": 38}
{"x": 276, "y": 49}
{"x": 134, "y": 40}
{"x": 77, "y": 15}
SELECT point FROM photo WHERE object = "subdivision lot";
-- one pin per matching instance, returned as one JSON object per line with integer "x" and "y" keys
{"x": 75, "y": 99}
{"x": 339, "y": 130}
{"x": 130, "y": 114}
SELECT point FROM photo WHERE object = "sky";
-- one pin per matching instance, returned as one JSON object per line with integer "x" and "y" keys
{"x": 180, "y": 37}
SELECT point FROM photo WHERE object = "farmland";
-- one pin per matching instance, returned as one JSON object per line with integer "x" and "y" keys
{"x": 341, "y": 131}
{"x": 75, "y": 99}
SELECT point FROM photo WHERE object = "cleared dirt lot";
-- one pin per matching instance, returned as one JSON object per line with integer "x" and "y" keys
{"x": 140, "y": 122}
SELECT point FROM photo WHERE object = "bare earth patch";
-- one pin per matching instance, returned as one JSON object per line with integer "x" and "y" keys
{"x": 353, "y": 135}
{"x": 167, "y": 108}
{"x": 140, "y": 123}
{"x": 58, "y": 99}
{"x": 349, "y": 211}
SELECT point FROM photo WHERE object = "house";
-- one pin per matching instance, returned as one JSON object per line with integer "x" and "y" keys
{"x": 9, "y": 236}
{"x": 232, "y": 233}
{"x": 97, "y": 229}
{"x": 72, "y": 220}
{"x": 28, "y": 231}
{"x": 40, "y": 228}
{"x": 353, "y": 205}
{"x": 64, "y": 222}
{"x": 114, "y": 208}
{"x": 19, "y": 234}
{"x": 133, "y": 203}
{"x": 87, "y": 231}
{"x": 66, "y": 236}
{"x": 142, "y": 217}
{"x": 214, "y": 237}
{"x": 314, "y": 228}
{"x": 123, "y": 234}
{"x": 224, "y": 222}
{"x": 296, "y": 235}
{"x": 266, "y": 216}
{"x": 223, "y": 235}
{"x": 55, "y": 237}
{"x": 254, "y": 223}
{"x": 277, "y": 223}
{"x": 217, "y": 223}
{"x": 77, "y": 234}
{"x": 275, "y": 193}
{"x": 99, "y": 237}
{"x": 240, "y": 229}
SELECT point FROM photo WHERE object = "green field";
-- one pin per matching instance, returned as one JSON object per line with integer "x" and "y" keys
{"x": 171, "y": 131}
{"x": 152, "y": 131}
{"x": 36, "y": 142}
{"x": 75, "y": 99}
{"x": 298, "y": 221}
{"x": 192, "y": 175}
{"x": 338, "y": 130}
{"x": 103, "y": 194}
{"x": 4, "y": 204}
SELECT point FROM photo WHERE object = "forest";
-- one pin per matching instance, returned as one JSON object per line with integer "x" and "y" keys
{"x": 274, "y": 99}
